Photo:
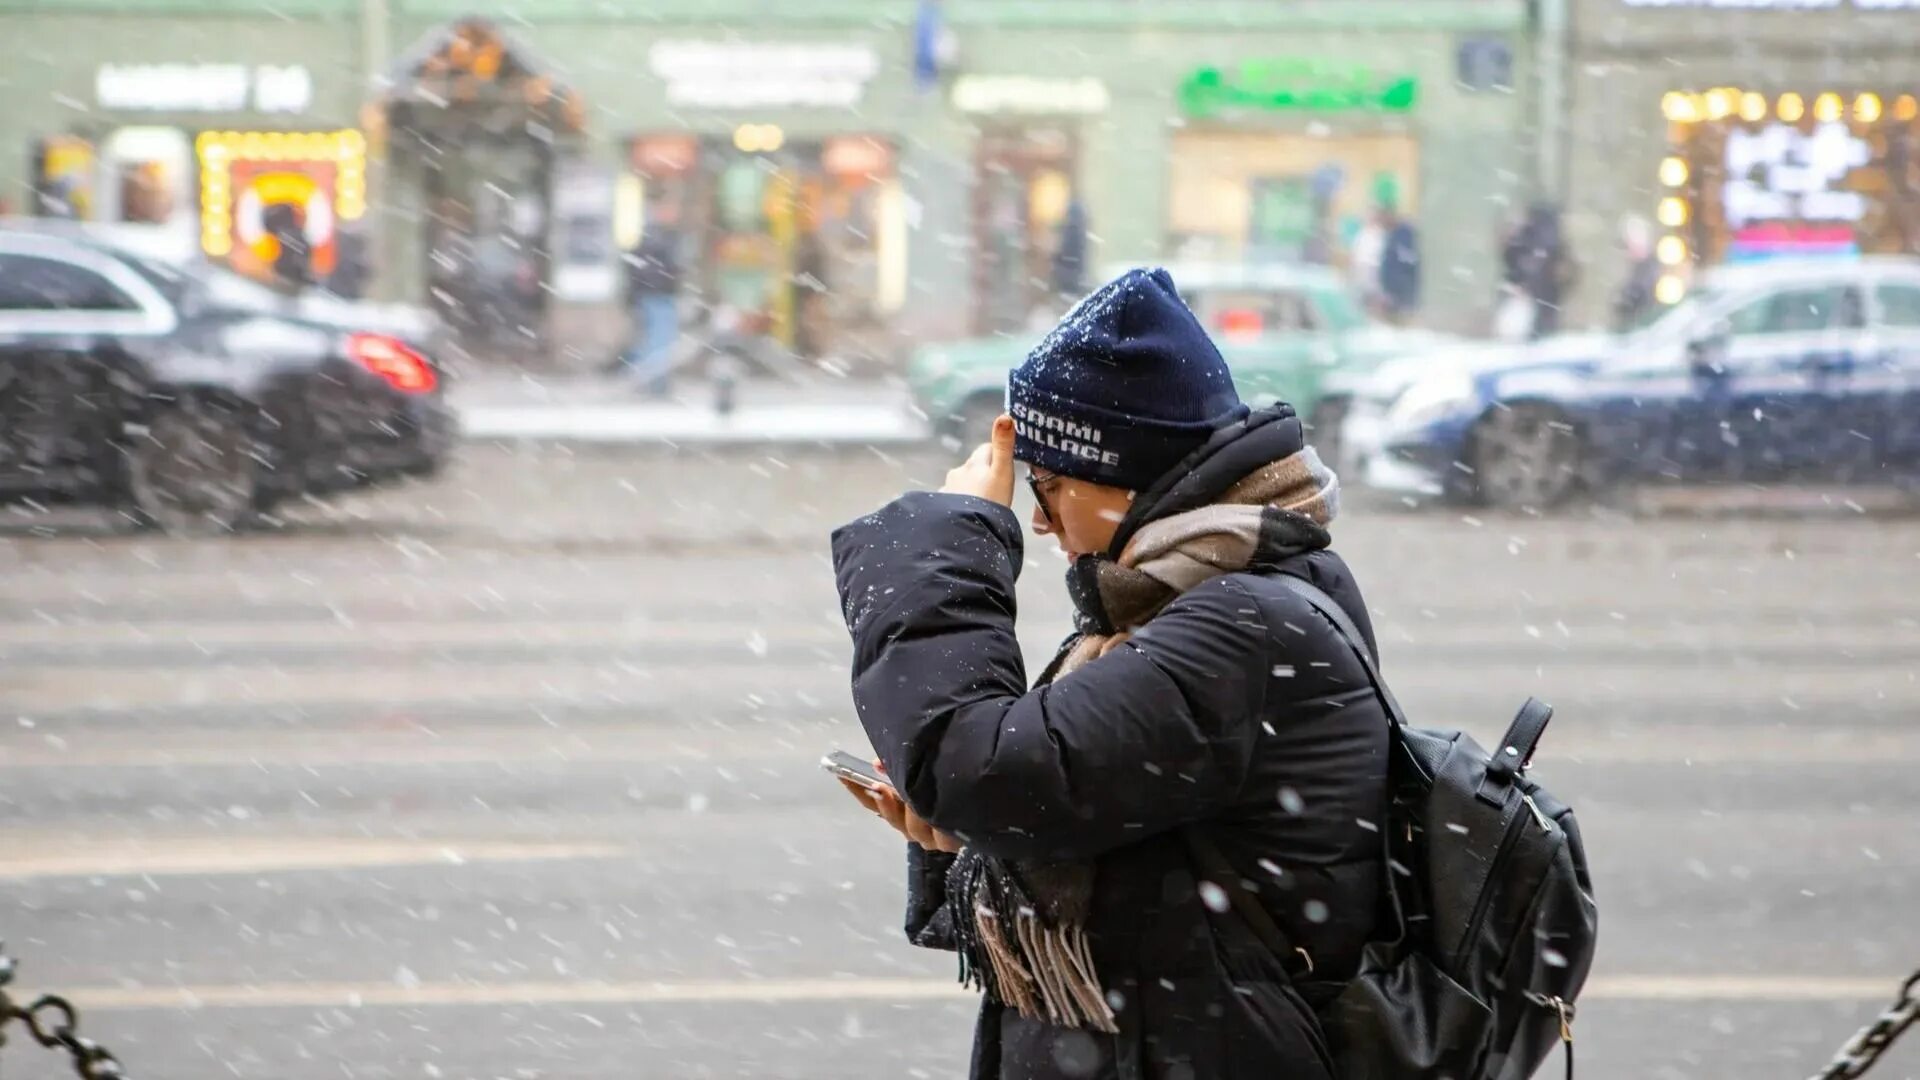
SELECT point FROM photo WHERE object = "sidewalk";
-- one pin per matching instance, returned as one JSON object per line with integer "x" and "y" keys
{"x": 607, "y": 409}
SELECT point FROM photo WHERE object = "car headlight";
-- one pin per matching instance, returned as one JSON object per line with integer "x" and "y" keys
{"x": 1430, "y": 399}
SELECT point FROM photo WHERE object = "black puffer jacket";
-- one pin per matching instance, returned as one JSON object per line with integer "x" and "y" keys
{"x": 1238, "y": 709}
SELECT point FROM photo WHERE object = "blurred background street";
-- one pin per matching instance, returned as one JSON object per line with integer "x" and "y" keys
{"x": 515, "y": 776}
{"x": 421, "y": 423}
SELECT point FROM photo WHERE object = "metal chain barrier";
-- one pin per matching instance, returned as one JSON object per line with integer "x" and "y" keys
{"x": 1865, "y": 1048}
{"x": 54, "y": 1024}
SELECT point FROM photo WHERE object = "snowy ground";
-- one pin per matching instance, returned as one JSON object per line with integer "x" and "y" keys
{"x": 513, "y": 775}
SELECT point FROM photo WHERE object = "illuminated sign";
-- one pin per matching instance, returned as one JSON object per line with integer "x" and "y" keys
{"x": 1030, "y": 94}
{"x": 320, "y": 176}
{"x": 203, "y": 88}
{"x": 1750, "y": 175}
{"x": 1778, "y": 172}
{"x": 758, "y": 75}
{"x": 1295, "y": 86}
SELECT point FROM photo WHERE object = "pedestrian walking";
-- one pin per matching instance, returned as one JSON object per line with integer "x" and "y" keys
{"x": 653, "y": 289}
{"x": 1537, "y": 264}
{"x": 1636, "y": 295}
{"x": 1399, "y": 266}
{"x": 293, "y": 257}
{"x": 1201, "y": 705}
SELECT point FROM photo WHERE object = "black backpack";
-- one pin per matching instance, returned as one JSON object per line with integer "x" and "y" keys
{"x": 1491, "y": 907}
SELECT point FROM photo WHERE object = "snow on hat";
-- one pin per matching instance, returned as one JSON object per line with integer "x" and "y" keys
{"x": 1123, "y": 389}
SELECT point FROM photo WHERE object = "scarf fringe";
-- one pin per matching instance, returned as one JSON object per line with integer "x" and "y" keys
{"x": 1045, "y": 972}
{"x": 1018, "y": 958}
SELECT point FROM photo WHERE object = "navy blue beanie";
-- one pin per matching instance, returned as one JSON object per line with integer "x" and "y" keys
{"x": 1123, "y": 389}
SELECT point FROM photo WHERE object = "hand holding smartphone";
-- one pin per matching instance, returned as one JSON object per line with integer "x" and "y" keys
{"x": 855, "y": 771}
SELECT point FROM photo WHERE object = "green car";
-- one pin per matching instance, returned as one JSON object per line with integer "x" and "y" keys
{"x": 1296, "y": 333}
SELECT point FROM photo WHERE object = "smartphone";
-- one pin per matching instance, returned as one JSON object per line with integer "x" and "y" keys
{"x": 857, "y": 770}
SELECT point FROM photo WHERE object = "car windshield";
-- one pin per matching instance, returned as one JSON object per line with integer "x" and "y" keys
{"x": 226, "y": 289}
{"x": 212, "y": 285}
{"x": 1661, "y": 324}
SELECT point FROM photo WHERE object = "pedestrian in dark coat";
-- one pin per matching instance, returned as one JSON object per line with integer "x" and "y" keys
{"x": 1399, "y": 266}
{"x": 1537, "y": 262}
{"x": 1052, "y": 823}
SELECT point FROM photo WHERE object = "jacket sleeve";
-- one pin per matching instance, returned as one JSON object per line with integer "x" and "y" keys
{"x": 929, "y": 919}
{"x": 1154, "y": 735}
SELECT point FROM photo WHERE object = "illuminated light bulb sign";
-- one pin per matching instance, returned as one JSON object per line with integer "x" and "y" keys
{"x": 318, "y": 177}
{"x": 1778, "y": 172}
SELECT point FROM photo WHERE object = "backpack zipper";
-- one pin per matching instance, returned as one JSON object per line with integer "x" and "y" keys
{"x": 1546, "y": 825}
{"x": 1514, "y": 829}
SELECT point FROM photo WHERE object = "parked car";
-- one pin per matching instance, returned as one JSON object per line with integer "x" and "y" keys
{"x": 191, "y": 399}
{"x": 1782, "y": 371}
{"x": 1284, "y": 329}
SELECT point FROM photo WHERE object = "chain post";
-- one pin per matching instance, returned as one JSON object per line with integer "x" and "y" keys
{"x": 1864, "y": 1049}
{"x": 53, "y": 1022}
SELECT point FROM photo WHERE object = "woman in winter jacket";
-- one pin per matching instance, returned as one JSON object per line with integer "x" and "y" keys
{"x": 1201, "y": 705}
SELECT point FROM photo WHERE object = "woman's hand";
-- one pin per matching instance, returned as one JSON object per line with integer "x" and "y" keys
{"x": 895, "y": 812}
{"x": 988, "y": 473}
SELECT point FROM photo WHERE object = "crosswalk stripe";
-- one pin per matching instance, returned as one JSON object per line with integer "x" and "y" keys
{"x": 410, "y": 994}
{"x": 1811, "y": 684}
{"x": 745, "y": 743}
{"x": 154, "y": 857}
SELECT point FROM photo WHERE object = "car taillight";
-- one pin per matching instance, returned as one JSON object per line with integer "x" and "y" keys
{"x": 404, "y": 369}
{"x": 1240, "y": 323}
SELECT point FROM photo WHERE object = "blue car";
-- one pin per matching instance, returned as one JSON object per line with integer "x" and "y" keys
{"x": 1780, "y": 372}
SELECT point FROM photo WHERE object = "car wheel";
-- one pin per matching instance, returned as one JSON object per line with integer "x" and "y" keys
{"x": 1323, "y": 432}
{"x": 193, "y": 472}
{"x": 1525, "y": 457}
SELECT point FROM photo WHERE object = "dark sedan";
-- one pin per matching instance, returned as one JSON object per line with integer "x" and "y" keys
{"x": 190, "y": 399}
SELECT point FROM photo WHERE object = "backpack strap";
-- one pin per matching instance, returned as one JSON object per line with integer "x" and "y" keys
{"x": 1522, "y": 738}
{"x": 1337, "y": 615}
{"x": 1326, "y": 605}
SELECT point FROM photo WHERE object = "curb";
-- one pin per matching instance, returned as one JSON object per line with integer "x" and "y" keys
{"x": 827, "y": 426}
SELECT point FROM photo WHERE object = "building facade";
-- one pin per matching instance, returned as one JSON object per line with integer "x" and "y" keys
{"x": 1740, "y": 131}
{"x": 849, "y": 174}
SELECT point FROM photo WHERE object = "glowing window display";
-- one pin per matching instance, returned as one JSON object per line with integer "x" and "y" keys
{"x": 1791, "y": 174}
{"x": 252, "y": 184}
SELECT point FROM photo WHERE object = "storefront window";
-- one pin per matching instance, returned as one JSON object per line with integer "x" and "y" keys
{"x": 1029, "y": 231}
{"x": 801, "y": 239}
{"x": 64, "y": 178}
{"x": 1263, "y": 196}
{"x": 147, "y": 175}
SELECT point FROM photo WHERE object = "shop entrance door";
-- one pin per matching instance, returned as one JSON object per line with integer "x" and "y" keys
{"x": 487, "y": 242}
{"x": 477, "y": 122}
{"x": 1029, "y": 232}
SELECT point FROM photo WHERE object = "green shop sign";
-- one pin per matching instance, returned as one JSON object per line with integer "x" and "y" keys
{"x": 1295, "y": 86}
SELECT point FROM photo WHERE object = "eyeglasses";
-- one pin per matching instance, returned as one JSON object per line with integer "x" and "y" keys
{"x": 1037, "y": 482}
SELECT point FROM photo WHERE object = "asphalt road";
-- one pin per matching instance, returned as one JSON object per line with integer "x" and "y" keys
{"x": 513, "y": 775}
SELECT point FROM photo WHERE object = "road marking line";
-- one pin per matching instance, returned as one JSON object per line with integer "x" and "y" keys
{"x": 373, "y": 633}
{"x": 1554, "y": 640}
{"x": 280, "y": 854}
{"x": 1749, "y": 988}
{"x": 448, "y": 745}
{"x": 1808, "y": 687}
